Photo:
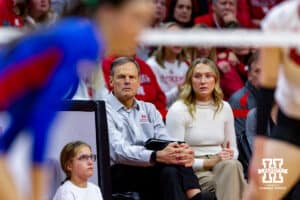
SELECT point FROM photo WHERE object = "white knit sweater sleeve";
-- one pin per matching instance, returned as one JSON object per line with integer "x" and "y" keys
{"x": 176, "y": 121}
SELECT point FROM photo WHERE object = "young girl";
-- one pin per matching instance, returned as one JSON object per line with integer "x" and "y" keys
{"x": 169, "y": 64}
{"x": 77, "y": 161}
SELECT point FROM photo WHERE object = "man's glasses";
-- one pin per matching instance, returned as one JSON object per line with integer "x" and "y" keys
{"x": 86, "y": 157}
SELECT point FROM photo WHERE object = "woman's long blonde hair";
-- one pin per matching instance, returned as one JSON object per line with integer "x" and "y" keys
{"x": 188, "y": 95}
{"x": 159, "y": 54}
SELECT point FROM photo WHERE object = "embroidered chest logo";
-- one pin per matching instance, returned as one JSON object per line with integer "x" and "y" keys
{"x": 143, "y": 118}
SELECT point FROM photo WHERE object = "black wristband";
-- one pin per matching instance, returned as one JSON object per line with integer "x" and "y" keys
{"x": 153, "y": 157}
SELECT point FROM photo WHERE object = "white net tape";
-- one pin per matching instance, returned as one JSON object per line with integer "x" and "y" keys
{"x": 237, "y": 37}
{"x": 192, "y": 37}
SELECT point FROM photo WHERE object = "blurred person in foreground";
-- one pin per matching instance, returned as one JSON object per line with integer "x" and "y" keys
{"x": 280, "y": 68}
{"x": 37, "y": 71}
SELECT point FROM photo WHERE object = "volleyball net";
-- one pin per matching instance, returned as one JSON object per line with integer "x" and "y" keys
{"x": 217, "y": 37}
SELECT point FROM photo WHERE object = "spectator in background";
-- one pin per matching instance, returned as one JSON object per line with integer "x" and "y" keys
{"x": 241, "y": 102}
{"x": 38, "y": 13}
{"x": 202, "y": 51}
{"x": 228, "y": 65}
{"x": 181, "y": 12}
{"x": 201, "y": 7}
{"x": 204, "y": 121}
{"x": 8, "y": 15}
{"x": 254, "y": 11}
{"x": 63, "y": 7}
{"x": 169, "y": 64}
{"x": 163, "y": 174}
{"x": 160, "y": 12}
{"x": 245, "y": 99}
{"x": 243, "y": 55}
{"x": 77, "y": 161}
{"x": 149, "y": 89}
{"x": 223, "y": 15}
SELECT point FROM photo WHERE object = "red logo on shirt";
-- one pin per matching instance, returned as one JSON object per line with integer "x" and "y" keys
{"x": 143, "y": 118}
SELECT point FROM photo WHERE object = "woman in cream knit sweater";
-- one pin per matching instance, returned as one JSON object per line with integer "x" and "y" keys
{"x": 202, "y": 119}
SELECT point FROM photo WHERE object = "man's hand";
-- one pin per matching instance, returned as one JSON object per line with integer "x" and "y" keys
{"x": 186, "y": 156}
{"x": 169, "y": 154}
{"x": 176, "y": 154}
{"x": 229, "y": 17}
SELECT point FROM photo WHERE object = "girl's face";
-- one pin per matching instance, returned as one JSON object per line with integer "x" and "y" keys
{"x": 183, "y": 11}
{"x": 82, "y": 165}
{"x": 203, "y": 82}
{"x": 174, "y": 49}
{"x": 160, "y": 10}
{"x": 41, "y": 6}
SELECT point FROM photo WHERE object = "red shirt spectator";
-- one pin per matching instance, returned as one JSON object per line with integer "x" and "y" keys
{"x": 230, "y": 78}
{"x": 253, "y": 11}
{"x": 223, "y": 12}
{"x": 149, "y": 89}
{"x": 207, "y": 19}
{"x": 7, "y": 15}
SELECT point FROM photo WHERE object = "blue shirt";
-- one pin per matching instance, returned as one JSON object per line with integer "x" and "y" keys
{"x": 129, "y": 129}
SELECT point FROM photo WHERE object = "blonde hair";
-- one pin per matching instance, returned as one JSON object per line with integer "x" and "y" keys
{"x": 68, "y": 153}
{"x": 159, "y": 54}
{"x": 188, "y": 95}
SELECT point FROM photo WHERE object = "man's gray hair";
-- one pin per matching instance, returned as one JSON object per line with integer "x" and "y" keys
{"x": 120, "y": 61}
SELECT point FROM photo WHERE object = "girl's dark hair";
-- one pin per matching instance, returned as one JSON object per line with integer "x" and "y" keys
{"x": 170, "y": 17}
